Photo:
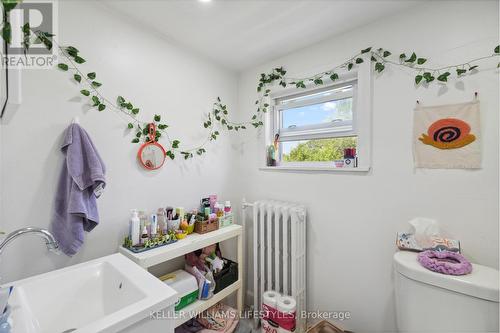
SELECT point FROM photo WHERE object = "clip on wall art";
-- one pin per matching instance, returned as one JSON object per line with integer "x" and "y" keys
{"x": 447, "y": 136}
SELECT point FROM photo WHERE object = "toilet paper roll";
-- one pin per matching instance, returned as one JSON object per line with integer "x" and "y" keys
{"x": 286, "y": 304}
{"x": 270, "y": 304}
{"x": 270, "y": 298}
{"x": 286, "y": 315}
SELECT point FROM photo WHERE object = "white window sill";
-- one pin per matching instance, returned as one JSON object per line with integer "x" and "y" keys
{"x": 313, "y": 169}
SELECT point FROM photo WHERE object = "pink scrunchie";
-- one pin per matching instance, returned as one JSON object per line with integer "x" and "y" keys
{"x": 445, "y": 262}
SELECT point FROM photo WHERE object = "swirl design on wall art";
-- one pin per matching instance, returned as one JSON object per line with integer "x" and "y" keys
{"x": 448, "y": 133}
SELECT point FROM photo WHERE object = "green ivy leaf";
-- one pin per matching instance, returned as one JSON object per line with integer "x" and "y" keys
{"x": 175, "y": 144}
{"x": 62, "y": 66}
{"x": 443, "y": 77}
{"x": 8, "y": 5}
{"x": 497, "y": 49}
{"x": 79, "y": 60}
{"x": 96, "y": 84}
{"x": 120, "y": 100}
{"x": 461, "y": 71}
{"x": 379, "y": 67}
{"x": 7, "y": 32}
{"x": 78, "y": 78}
{"x": 473, "y": 67}
{"x": 318, "y": 81}
{"x": 334, "y": 77}
{"x": 135, "y": 111}
{"x": 72, "y": 49}
{"x": 349, "y": 66}
{"x": 387, "y": 53}
{"x": 372, "y": 58}
{"x": 429, "y": 78}
{"x": 96, "y": 100}
{"x": 418, "y": 78}
{"x": 101, "y": 107}
{"x": 130, "y": 125}
{"x": 92, "y": 76}
{"x": 402, "y": 56}
{"x": 71, "y": 52}
{"x": 412, "y": 58}
{"x": 421, "y": 61}
{"x": 359, "y": 60}
{"x": 135, "y": 140}
{"x": 368, "y": 49}
{"x": 157, "y": 117}
{"x": 85, "y": 92}
{"x": 170, "y": 154}
{"x": 300, "y": 84}
{"x": 26, "y": 36}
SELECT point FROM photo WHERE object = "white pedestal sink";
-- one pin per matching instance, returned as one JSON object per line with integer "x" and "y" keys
{"x": 109, "y": 294}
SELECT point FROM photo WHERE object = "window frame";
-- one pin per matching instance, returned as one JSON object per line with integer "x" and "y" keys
{"x": 361, "y": 126}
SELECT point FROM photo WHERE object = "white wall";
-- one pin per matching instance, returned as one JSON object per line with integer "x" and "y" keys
{"x": 353, "y": 219}
{"x": 157, "y": 76}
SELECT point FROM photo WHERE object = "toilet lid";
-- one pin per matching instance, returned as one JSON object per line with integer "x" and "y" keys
{"x": 483, "y": 282}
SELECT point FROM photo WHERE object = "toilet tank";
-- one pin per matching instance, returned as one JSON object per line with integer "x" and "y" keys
{"x": 432, "y": 302}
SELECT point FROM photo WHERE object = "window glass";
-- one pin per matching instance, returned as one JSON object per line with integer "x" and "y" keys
{"x": 327, "y": 112}
{"x": 320, "y": 150}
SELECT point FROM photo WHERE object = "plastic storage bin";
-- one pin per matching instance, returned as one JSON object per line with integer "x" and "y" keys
{"x": 225, "y": 220}
{"x": 185, "y": 284}
{"x": 227, "y": 276}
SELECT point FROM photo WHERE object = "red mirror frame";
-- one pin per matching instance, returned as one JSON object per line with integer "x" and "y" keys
{"x": 152, "y": 142}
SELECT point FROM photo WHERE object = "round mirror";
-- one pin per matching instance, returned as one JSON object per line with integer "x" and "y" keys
{"x": 152, "y": 154}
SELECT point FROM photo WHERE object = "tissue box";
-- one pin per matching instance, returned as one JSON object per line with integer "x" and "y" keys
{"x": 407, "y": 241}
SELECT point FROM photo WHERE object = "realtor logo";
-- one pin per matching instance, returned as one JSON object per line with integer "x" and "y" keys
{"x": 31, "y": 42}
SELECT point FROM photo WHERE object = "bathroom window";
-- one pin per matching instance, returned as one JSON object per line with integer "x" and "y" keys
{"x": 318, "y": 124}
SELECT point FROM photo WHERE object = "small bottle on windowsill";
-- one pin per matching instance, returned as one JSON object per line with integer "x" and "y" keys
{"x": 350, "y": 158}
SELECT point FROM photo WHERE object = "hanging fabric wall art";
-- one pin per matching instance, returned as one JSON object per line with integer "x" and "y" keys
{"x": 447, "y": 136}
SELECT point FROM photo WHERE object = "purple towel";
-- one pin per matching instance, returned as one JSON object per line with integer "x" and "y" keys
{"x": 75, "y": 204}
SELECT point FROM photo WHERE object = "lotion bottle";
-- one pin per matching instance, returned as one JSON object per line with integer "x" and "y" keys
{"x": 135, "y": 227}
{"x": 154, "y": 225}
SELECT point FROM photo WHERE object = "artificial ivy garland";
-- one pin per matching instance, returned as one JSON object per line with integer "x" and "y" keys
{"x": 219, "y": 113}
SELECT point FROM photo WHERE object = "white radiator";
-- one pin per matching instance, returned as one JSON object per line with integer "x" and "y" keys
{"x": 279, "y": 253}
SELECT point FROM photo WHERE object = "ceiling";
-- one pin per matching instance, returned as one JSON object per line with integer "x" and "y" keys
{"x": 240, "y": 34}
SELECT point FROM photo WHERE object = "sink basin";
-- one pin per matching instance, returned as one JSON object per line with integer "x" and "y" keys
{"x": 108, "y": 294}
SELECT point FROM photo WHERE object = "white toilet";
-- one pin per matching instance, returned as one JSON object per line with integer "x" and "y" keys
{"x": 433, "y": 302}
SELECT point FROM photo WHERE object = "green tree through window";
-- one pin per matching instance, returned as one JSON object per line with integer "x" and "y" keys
{"x": 321, "y": 150}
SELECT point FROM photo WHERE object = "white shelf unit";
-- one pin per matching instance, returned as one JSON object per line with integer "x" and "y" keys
{"x": 189, "y": 244}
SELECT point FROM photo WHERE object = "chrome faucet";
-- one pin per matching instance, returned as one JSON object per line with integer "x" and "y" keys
{"x": 50, "y": 241}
